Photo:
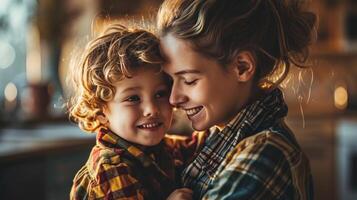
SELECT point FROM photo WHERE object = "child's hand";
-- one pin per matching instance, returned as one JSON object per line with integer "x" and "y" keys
{"x": 181, "y": 194}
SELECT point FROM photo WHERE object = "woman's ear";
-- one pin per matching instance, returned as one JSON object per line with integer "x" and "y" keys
{"x": 244, "y": 66}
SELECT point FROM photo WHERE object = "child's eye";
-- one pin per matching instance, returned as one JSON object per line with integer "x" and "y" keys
{"x": 161, "y": 94}
{"x": 133, "y": 98}
{"x": 191, "y": 82}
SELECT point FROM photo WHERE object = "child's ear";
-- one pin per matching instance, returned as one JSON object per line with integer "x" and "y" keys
{"x": 244, "y": 66}
{"x": 101, "y": 117}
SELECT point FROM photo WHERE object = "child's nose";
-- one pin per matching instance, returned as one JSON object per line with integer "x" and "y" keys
{"x": 151, "y": 109}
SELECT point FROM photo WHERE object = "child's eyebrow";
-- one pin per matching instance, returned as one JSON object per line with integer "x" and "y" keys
{"x": 130, "y": 89}
{"x": 188, "y": 71}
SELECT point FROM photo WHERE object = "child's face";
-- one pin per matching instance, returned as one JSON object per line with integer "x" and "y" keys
{"x": 140, "y": 111}
{"x": 209, "y": 94}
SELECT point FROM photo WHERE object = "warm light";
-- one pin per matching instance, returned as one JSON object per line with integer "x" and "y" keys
{"x": 341, "y": 97}
{"x": 10, "y": 92}
{"x": 33, "y": 67}
{"x": 7, "y": 53}
{"x": 33, "y": 58}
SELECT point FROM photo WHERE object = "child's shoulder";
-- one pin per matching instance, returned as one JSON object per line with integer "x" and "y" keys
{"x": 102, "y": 159}
{"x": 105, "y": 174}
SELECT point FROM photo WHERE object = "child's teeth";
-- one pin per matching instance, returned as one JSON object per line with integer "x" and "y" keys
{"x": 150, "y": 125}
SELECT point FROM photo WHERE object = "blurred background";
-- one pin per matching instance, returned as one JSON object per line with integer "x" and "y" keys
{"x": 40, "y": 150}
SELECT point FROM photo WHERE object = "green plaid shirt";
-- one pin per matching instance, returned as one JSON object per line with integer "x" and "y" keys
{"x": 254, "y": 157}
{"x": 117, "y": 169}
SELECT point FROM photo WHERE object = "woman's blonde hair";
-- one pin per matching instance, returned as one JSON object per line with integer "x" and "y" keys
{"x": 109, "y": 58}
{"x": 276, "y": 32}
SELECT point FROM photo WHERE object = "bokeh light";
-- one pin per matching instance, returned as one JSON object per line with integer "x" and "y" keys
{"x": 10, "y": 92}
{"x": 341, "y": 97}
{"x": 7, "y": 53}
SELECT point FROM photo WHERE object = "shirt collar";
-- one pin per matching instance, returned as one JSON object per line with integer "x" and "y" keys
{"x": 260, "y": 114}
{"x": 107, "y": 138}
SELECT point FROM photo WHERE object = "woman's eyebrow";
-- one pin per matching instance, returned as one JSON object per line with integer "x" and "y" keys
{"x": 188, "y": 71}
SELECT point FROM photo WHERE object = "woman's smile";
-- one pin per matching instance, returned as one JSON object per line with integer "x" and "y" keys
{"x": 193, "y": 111}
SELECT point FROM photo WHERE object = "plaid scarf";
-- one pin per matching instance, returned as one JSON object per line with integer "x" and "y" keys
{"x": 254, "y": 118}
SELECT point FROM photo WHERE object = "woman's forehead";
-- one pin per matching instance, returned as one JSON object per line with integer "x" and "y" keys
{"x": 179, "y": 55}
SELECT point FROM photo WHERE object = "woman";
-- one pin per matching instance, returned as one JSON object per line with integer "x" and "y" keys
{"x": 226, "y": 59}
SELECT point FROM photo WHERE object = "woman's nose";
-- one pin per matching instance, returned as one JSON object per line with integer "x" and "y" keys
{"x": 177, "y": 96}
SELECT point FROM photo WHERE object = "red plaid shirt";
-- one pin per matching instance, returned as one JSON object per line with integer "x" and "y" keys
{"x": 114, "y": 172}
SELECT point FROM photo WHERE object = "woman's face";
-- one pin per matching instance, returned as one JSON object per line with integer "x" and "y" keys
{"x": 209, "y": 93}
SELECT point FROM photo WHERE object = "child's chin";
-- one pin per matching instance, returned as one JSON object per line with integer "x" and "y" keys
{"x": 152, "y": 139}
{"x": 152, "y": 143}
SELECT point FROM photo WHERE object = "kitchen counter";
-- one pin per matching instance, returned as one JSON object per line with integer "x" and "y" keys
{"x": 16, "y": 143}
{"x": 40, "y": 162}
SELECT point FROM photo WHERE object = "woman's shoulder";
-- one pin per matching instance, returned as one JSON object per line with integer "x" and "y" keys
{"x": 270, "y": 143}
{"x": 281, "y": 140}
{"x": 262, "y": 157}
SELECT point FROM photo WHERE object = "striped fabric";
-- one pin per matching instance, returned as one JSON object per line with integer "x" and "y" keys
{"x": 117, "y": 169}
{"x": 254, "y": 157}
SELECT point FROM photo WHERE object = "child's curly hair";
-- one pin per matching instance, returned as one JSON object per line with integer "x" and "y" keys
{"x": 106, "y": 60}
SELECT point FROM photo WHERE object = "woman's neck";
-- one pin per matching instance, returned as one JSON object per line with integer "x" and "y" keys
{"x": 254, "y": 94}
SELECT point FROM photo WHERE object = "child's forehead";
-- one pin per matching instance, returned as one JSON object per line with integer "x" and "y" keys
{"x": 144, "y": 78}
{"x": 135, "y": 69}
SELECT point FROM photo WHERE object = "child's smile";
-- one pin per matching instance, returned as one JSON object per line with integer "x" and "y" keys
{"x": 152, "y": 125}
{"x": 140, "y": 111}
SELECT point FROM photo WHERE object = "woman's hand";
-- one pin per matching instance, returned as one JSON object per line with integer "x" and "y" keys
{"x": 181, "y": 194}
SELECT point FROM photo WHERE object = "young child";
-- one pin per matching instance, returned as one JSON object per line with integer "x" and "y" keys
{"x": 121, "y": 94}
{"x": 227, "y": 59}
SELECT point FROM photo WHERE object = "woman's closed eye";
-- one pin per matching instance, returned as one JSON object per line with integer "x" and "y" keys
{"x": 190, "y": 81}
